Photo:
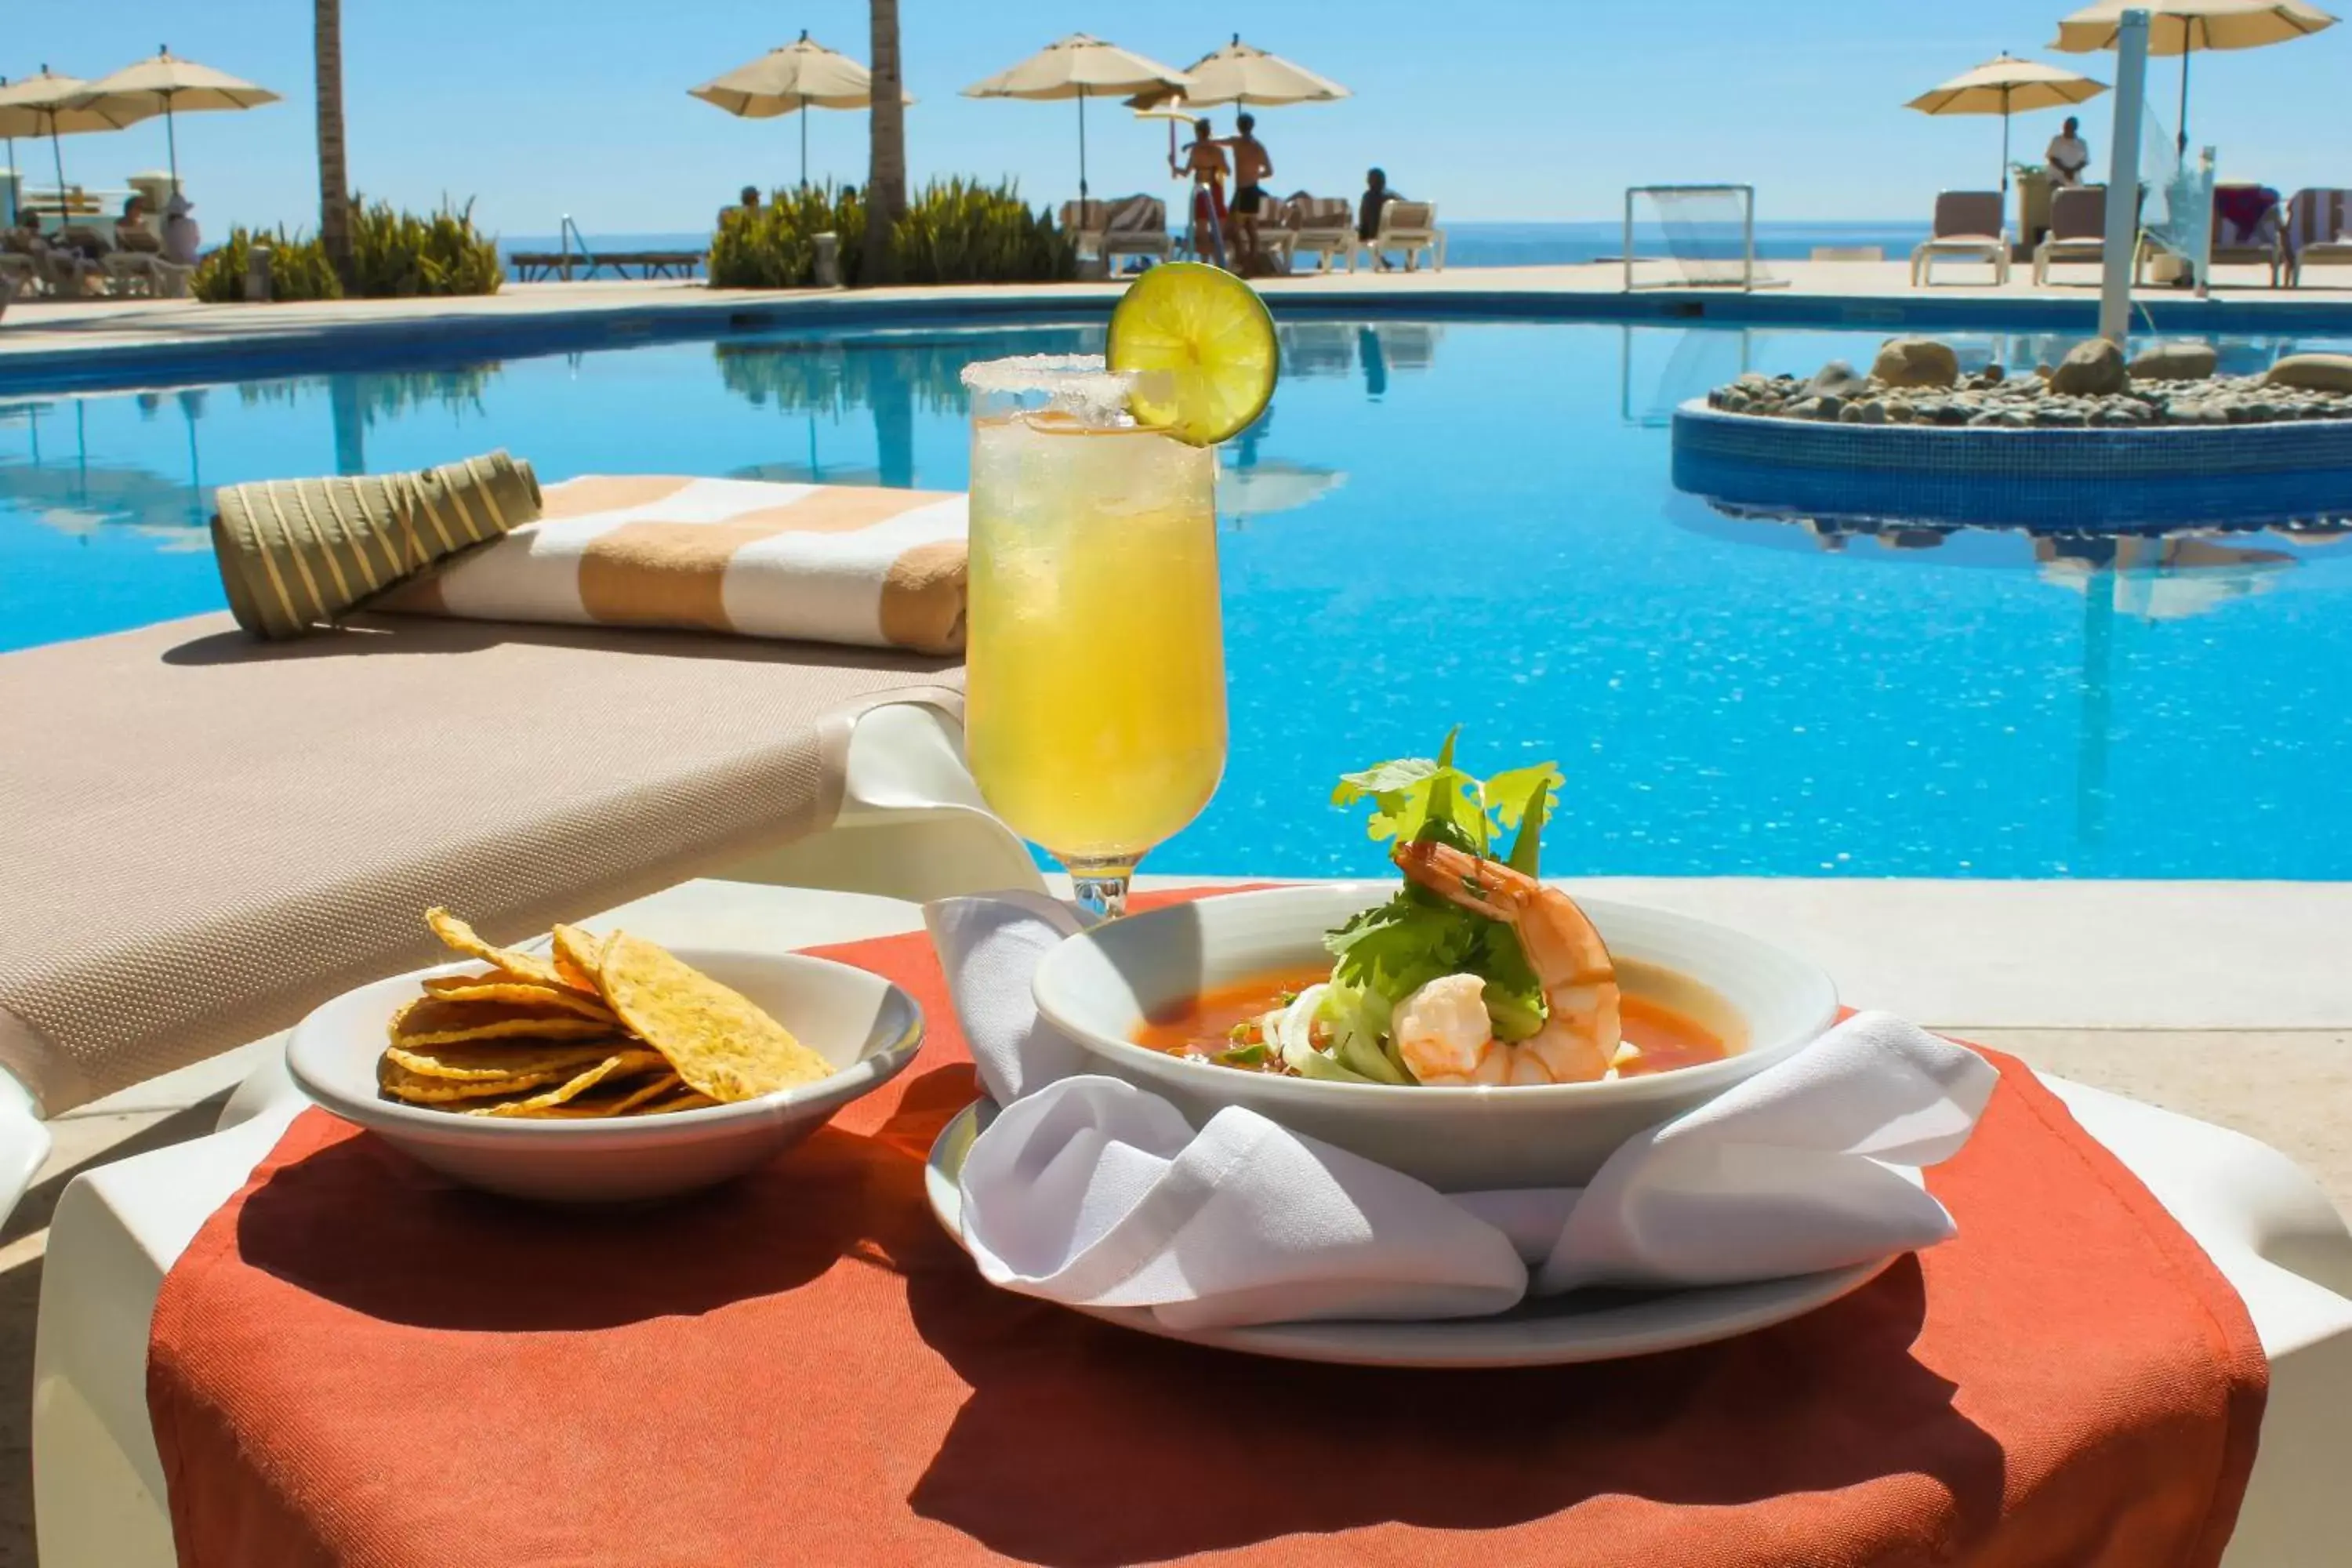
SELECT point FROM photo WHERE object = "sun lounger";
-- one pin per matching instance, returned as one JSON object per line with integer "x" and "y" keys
{"x": 17, "y": 274}
{"x": 1408, "y": 226}
{"x": 2318, "y": 229}
{"x": 145, "y": 272}
{"x": 2246, "y": 232}
{"x": 1321, "y": 226}
{"x": 1126, "y": 225}
{"x": 218, "y": 833}
{"x": 2078, "y": 230}
{"x": 1967, "y": 228}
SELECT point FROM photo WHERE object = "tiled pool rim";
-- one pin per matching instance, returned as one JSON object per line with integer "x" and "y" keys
{"x": 2082, "y": 478}
{"x": 411, "y": 338}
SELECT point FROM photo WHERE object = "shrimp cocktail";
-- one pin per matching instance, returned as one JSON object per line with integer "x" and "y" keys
{"x": 1095, "y": 715}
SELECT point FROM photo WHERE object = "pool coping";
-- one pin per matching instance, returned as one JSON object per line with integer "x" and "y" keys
{"x": 392, "y": 332}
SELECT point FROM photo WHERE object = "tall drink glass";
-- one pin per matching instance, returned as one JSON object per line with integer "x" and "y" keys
{"x": 1094, "y": 704}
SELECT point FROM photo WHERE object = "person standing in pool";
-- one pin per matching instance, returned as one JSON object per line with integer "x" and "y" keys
{"x": 1204, "y": 160}
{"x": 1252, "y": 166}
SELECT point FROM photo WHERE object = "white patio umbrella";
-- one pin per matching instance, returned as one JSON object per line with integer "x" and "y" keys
{"x": 1081, "y": 66}
{"x": 166, "y": 85}
{"x": 2184, "y": 27}
{"x": 46, "y": 105}
{"x": 801, "y": 76}
{"x": 1243, "y": 73}
{"x": 2006, "y": 85}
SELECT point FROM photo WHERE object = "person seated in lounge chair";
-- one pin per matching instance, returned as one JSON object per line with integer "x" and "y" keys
{"x": 182, "y": 238}
{"x": 24, "y": 238}
{"x": 1204, "y": 160}
{"x": 1377, "y": 194}
{"x": 130, "y": 230}
{"x": 1252, "y": 166}
{"x": 2068, "y": 155}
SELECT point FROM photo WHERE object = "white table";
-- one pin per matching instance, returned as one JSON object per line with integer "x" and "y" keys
{"x": 117, "y": 1230}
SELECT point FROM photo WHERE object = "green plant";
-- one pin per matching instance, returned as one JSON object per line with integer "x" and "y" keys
{"x": 298, "y": 268}
{"x": 774, "y": 247}
{"x": 961, "y": 231}
{"x": 399, "y": 255}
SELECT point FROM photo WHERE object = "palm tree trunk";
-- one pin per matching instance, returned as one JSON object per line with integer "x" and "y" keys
{"x": 334, "y": 183}
{"x": 885, "y": 175}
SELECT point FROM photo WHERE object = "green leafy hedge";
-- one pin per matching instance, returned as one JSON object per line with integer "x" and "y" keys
{"x": 399, "y": 255}
{"x": 298, "y": 268}
{"x": 394, "y": 255}
{"x": 955, "y": 231}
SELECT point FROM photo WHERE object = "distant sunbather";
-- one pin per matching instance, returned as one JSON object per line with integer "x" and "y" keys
{"x": 2068, "y": 154}
{"x": 130, "y": 230}
{"x": 1204, "y": 161}
{"x": 1377, "y": 194}
{"x": 1252, "y": 166}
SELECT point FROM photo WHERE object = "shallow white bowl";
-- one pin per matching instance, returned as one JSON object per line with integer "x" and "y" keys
{"x": 866, "y": 1027}
{"x": 1100, "y": 987}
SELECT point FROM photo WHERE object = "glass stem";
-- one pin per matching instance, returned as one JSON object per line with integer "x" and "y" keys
{"x": 1101, "y": 886}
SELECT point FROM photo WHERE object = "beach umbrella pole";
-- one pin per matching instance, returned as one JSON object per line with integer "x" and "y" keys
{"x": 805, "y": 141}
{"x": 172, "y": 142}
{"x": 1082, "y": 145}
{"x": 57, "y": 152}
{"x": 2184, "y": 100}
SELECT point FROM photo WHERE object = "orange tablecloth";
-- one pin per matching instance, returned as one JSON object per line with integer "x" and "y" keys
{"x": 356, "y": 1363}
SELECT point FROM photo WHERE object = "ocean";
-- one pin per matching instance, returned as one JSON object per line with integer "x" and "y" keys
{"x": 1467, "y": 244}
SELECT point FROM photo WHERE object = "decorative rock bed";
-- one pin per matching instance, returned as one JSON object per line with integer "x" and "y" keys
{"x": 1916, "y": 381}
{"x": 2093, "y": 443}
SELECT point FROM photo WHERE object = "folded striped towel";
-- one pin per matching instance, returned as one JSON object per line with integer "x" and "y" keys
{"x": 839, "y": 564}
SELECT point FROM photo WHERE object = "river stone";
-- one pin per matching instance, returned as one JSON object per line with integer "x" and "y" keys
{"x": 2314, "y": 373}
{"x": 2175, "y": 361}
{"x": 2090, "y": 369}
{"x": 1835, "y": 379}
{"x": 1916, "y": 362}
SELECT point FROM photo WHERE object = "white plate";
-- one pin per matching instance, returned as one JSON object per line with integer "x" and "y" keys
{"x": 1553, "y": 1331}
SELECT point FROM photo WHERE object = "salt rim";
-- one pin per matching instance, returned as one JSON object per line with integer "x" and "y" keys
{"x": 1079, "y": 384}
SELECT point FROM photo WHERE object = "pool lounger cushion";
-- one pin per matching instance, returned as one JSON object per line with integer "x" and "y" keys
{"x": 206, "y": 836}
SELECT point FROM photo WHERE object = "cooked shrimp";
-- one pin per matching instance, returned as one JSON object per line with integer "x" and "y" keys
{"x": 1442, "y": 1032}
{"x": 1580, "y": 1030}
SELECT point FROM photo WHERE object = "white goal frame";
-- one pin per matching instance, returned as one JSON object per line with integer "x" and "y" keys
{"x": 1747, "y": 194}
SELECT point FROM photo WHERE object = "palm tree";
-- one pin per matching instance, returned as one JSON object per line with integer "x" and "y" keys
{"x": 885, "y": 175}
{"x": 334, "y": 184}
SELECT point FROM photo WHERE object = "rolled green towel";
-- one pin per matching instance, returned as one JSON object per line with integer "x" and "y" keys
{"x": 298, "y": 555}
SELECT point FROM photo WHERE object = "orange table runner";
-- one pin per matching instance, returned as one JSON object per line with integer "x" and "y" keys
{"x": 357, "y": 1362}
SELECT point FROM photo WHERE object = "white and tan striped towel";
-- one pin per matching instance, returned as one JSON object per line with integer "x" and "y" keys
{"x": 838, "y": 563}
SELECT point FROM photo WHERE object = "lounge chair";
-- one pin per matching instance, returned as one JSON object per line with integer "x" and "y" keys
{"x": 1967, "y": 228}
{"x": 1408, "y": 226}
{"x": 2246, "y": 232}
{"x": 2078, "y": 230}
{"x": 19, "y": 273}
{"x": 1127, "y": 226}
{"x": 145, "y": 272}
{"x": 1323, "y": 227}
{"x": 2318, "y": 229}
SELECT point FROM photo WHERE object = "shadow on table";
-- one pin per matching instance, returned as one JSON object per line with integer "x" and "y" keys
{"x": 1083, "y": 1444}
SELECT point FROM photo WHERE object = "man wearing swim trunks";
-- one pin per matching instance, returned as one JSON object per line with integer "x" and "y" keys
{"x": 1252, "y": 168}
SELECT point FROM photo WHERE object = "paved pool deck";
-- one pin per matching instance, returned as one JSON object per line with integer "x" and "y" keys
{"x": 59, "y": 344}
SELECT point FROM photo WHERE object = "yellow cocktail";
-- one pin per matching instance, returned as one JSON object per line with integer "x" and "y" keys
{"x": 1095, "y": 703}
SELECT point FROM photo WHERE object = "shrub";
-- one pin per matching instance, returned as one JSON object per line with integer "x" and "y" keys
{"x": 298, "y": 268}
{"x": 958, "y": 231}
{"x": 399, "y": 255}
{"x": 961, "y": 231}
{"x": 775, "y": 247}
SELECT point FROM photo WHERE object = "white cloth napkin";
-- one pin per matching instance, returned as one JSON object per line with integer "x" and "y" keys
{"x": 1091, "y": 1192}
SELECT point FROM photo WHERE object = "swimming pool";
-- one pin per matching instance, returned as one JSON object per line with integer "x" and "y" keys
{"x": 1439, "y": 523}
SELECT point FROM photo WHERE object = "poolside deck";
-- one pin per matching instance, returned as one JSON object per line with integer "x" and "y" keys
{"x": 53, "y": 343}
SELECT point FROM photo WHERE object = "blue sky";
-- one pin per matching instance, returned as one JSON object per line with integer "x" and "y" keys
{"x": 1505, "y": 108}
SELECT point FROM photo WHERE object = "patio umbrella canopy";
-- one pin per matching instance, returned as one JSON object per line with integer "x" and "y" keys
{"x": 2006, "y": 85}
{"x": 2184, "y": 27}
{"x": 1243, "y": 73}
{"x": 1081, "y": 66}
{"x": 49, "y": 105}
{"x": 167, "y": 85}
{"x": 801, "y": 76}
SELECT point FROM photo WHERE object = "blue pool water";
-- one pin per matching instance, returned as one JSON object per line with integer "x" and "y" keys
{"x": 1438, "y": 524}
